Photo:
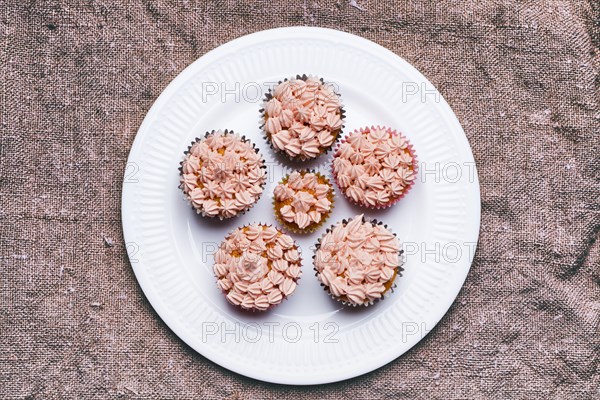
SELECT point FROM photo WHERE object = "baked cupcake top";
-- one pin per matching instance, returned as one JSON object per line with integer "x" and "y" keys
{"x": 357, "y": 260}
{"x": 222, "y": 174}
{"x": 374, "y": 166}
{"x": 303, "y": 117}
{"x": 303, "y": 199}
{"x": 257, "y": 266}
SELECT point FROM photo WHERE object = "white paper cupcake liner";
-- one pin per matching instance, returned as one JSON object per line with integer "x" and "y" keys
{"x": 188, "y": 198}
{"x": 288, "y": 157}
{"x": 386, "y": 293}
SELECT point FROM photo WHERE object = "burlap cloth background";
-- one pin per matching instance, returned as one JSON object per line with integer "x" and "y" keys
{"x": 77, "y": 79}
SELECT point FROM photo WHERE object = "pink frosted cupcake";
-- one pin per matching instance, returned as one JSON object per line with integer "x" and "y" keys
{"x": 357, "y": 261}
{"x": 257, "y": 266}
{"x": 222, "y": 175}
{"x": 302, "y": 118}
{"x": 375, "y": 167}
{"x": 303, "y": 200}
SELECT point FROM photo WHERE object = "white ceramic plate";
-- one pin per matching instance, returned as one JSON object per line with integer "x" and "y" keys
{"x": 309, "y": 338}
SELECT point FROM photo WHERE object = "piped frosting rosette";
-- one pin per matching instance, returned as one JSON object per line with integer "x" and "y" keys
{"x": 222, "y": 174}
{"x": 302, "y": 117}
{"x": 303, "y": 200}
{"x": 257, "y": 266}
{"x": 358, "y": 260}
{"x": 375, "y": 167}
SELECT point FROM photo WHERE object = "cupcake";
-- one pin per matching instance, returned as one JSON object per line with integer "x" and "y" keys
{"x": 357, "y": 261}
{"x": 257, "y": 266}
{"x": 302, "y": 201}
{"x": 302, "y": 118}
{"x": 375, "y": 167}
{"x": 222, "y": 174}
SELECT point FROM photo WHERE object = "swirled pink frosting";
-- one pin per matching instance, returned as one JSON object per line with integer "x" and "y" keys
{"x": 374, "y": 166}
{"x": 303, "y": 117}
{"x": 257, "y": 266}
{"x": 355, "y": 260}
{"x": 305, "y": 197}
{"x": 222, "y": 175}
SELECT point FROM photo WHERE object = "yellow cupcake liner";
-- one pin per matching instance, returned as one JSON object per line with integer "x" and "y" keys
{"x": 291, "y": 227}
